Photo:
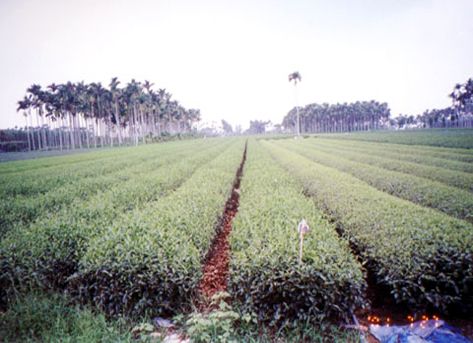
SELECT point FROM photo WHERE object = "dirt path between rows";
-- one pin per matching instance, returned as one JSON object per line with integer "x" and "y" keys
{"x": 215, "y": 269}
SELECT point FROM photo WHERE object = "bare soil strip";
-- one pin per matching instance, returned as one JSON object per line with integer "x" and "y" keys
{"x": 215, "y": 269}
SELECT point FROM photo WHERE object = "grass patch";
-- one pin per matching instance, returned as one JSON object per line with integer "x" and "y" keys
{"x": 50, "y": 318}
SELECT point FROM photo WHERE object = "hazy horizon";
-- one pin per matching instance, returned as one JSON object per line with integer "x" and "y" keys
{"x": 231, "y": 59}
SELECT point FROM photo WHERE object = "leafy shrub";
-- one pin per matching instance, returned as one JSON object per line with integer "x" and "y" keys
{"x": 216, "y": 326}
{"x": 20, "y": 210}
{"x": 460, "y": 139}
{"x": 152, "y": 258}
{"x": 449, "y": 177}
{"x": 265, "y": 275}
{"x": 422, "y": 255}
{"x": 46, "y": 253}
{"x": 451, "y": 200}
{"x": 422, "y": 155}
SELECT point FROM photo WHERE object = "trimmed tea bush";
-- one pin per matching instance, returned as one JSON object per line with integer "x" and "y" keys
{"x": 266, "y": 276}
{"x": 422, "y": 255}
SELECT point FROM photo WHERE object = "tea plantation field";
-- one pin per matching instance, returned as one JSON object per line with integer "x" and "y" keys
{"x": 128, "y": 231}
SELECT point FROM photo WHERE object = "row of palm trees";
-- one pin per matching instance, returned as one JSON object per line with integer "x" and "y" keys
{"x": 346, "y": 117}
{"x": 459, "y": 115}
{"x": 78, "y": 115}
{"x": 443, "y": 118}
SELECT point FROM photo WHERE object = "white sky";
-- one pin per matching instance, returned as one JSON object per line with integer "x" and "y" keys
{"x": 231, "y": 59}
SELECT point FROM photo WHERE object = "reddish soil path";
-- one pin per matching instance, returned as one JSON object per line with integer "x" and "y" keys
{"x": 215, "y": 270}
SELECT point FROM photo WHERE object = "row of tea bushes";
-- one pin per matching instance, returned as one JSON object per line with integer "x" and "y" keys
{"x": 42, "y": 180}
{"x": 40, "y": 162}
{"x": 265, "y": 275}
{"x": 451, "y": 200}
{"x": 459, "y": 140}
{"x": 449, "y": 177}
{"x": 20, "y": 210}
{"x": 406, "y": 153}
{"x": 46, "y": 253}
{"x": 152, "y": 259}
{"x": 423, "y": 256}
{"x": 77, "y": 157}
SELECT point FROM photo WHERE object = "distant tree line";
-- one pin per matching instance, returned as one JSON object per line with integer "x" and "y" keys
{"x": 448, "y": 117}
{"x": 78, "y": 115}
{"x": 13, "y": 140}
{"x": 459, "y": 115}
{"x": 372, "y": 115}
{"x": 358, "y": 116}
{"x": 257, "y": 127}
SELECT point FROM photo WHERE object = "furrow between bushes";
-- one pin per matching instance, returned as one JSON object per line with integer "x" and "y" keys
{"x": 215, "y": 269}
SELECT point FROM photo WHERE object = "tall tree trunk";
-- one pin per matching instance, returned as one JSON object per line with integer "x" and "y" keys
{"x": 79, "y": 133}
{"x": 60, "y": 133}
{"x": 30, "y": 116}
{"x": 71, "y": 131}
{"x": 134, "y": 124}
{"x": 67, "y": 143}
{"x": 110, "y": 131}
{"x": 117, "y": 117}
{"x": 100, "y": 132}
{"x": 142, "y": 130}
{"x": 94, "y": 123}
{"x": 87, "y": 132}
{"x": 27, "y": 131}
{"x": 44, "y": 131}
{"x": 38, "y": 131}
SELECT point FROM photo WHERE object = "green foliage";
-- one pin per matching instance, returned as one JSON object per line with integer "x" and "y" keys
{"x": 450, "y": 138}
{"x": 447, "y": 158}
{"x": 304, "y": 332}
{"x": 113, "y": 115}
{"x": 42, "y": 318}
{"x": 128, "y": 230}
{"x": 449, "y": 177}
{"x": 40, "y": 176}
{"x": 24, "y": 156}
{"x": 423, "y": 256}
{"x": 47, "y": 252}
{"x": 265, "y": 276}
{"x": 75, "y": 187}
{"x": 216, "y": 326}
{"x": 52, "y": 318}
{"x": 451, "y": 200}
{"x": 151, "y": 259}
{"x": 36, "y": 160}
{"x": 360, "y": 115}
{"x": 228, "y": 324}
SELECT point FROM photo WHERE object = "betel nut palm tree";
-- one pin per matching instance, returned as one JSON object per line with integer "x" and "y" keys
{"x": 296, "y": 77}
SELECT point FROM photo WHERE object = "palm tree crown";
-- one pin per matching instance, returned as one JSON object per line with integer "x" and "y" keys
{"x": 295, "y": 76}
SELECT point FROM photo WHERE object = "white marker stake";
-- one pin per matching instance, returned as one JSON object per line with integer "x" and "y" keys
{"x": 301, "y": 244}
{"x": 303, "y": 228}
